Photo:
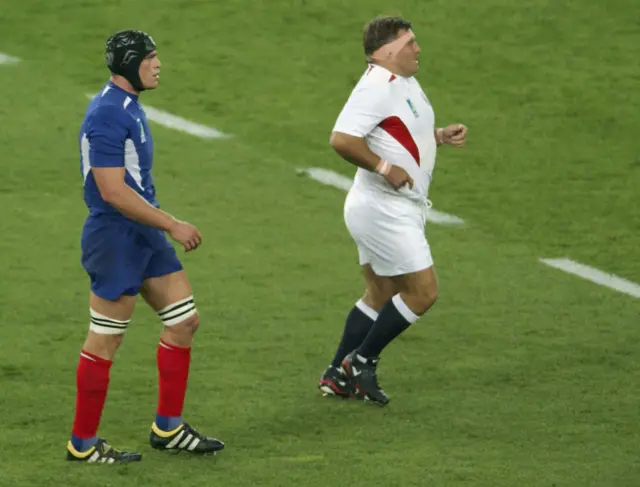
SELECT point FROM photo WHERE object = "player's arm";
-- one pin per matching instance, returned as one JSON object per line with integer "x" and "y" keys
{"x": 107, "y": 134}
{"x": 454, "y": 135}
{"x": 114, "y": 190}
{"x": 364, "y": 110}
{"x": 354, "y": 149}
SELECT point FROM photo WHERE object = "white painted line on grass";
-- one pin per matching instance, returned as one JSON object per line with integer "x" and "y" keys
{"x": 327, "y": 177}
{"x": 435, "y": 216}
{"x": 339, "y": 181}
{"x": 594, "y": 275}
{"x": 6, "y": 59}
{"x": 181, "y": 124}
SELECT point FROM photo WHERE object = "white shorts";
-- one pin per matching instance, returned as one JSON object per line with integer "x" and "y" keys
{"x": 389, "y": 232}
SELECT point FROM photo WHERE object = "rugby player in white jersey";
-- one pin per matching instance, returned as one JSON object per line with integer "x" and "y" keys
{"x": 387, "y": 129}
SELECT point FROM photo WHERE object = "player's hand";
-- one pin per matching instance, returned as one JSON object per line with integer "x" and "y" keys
{"x": 185, "y": 234}
{"x": 398, "y": 177}
{"x": 454, "y": 135}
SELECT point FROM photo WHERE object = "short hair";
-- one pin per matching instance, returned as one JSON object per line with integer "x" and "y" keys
{"x": 381, "y": 30}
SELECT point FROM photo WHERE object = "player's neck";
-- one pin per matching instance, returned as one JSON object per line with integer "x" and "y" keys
{"x": 122, "y": 83}
{"x": 391, "y": 67}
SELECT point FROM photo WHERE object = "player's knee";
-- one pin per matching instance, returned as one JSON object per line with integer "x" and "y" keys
{"x": 105, "y": 335}
{"x": 191, "y": 324}
{"x": 181, "y": 334}
{"x": 181, "y": 317}
{"x": 426, "y": 297}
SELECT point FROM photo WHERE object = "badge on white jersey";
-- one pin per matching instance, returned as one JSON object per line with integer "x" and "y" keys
{"x": 413, "y": 109}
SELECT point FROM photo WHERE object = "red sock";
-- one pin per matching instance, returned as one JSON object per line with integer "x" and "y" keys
{"x": 92, "y": 382}
{"x": 173, "y": 370}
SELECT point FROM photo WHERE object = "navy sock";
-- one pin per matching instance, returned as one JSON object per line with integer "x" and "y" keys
{"x": 83, "y": 444}
{"x": 168, "y": 423}
{"x": 395, "y": 317}
{"x": 359, "y": 321}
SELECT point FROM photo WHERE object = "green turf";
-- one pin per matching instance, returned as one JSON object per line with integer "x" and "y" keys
{"x": 520, "y": 376}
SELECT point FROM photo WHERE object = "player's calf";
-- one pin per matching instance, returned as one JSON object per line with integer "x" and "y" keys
{"x": 418, "y": 292}
{"x": 394, "y": 318}
{"x": 169, "y": 431}
{"x": 92, "y": 382}
{"x": 180, "y": 320}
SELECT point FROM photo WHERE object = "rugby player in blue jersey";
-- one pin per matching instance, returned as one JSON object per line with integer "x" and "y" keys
{"x": 125, "y": 252}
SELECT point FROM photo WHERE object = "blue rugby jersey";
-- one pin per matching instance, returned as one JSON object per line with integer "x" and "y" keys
{"x": 115, "y": 133}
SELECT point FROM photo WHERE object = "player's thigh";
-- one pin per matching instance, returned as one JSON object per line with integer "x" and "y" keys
{"x": 114, "y": 257}
{"x": 119, "y": 309}
{"x": 163, "y": 291}
{"x": 379, "y": 289}
{"x": 165, "y": 283}
{"x": 171, "y": 296}
{"x": 166, "y": 288}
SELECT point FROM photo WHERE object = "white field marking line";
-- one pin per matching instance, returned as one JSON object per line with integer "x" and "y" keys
{"x": 339, "y": 181}
{"x": 594, "y": 275}
{"x": 181, "y": 124}
{"x": 6, "y": 59}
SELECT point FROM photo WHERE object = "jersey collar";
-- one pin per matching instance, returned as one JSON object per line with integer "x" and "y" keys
{"x": 115, "y": 87}
{"x": 387, "y": 73}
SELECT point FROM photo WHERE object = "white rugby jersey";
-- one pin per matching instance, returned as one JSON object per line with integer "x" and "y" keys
{"x": 396, "y": 119}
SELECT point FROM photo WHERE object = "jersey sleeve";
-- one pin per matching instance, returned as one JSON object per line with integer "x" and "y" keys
{"x": 107, "y": 132}
{"x": 366, "y": 107}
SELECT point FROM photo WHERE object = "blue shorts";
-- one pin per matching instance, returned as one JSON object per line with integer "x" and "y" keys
{"x": 119, "y": 254}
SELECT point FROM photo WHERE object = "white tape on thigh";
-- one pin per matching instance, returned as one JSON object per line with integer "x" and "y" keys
{"x": 106, "y": 326}
{"x": 178, "y": 312}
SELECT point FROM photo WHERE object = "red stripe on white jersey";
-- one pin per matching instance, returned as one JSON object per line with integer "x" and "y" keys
{"x": 399, "y": 131}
